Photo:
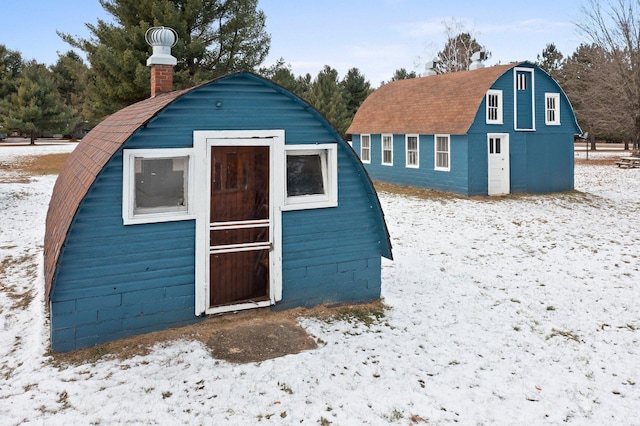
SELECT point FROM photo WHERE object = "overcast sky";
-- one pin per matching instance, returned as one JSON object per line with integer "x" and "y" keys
{"x": 375, "y": 36}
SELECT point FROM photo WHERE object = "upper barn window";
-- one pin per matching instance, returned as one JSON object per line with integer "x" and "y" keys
{"x": 156, "y": 185}
{"x": 494, "y": 106}
{"x": 552, "y": 109}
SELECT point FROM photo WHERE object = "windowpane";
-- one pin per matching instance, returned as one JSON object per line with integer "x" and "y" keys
{"x": 304, "y": 175}
{"x": 552, "y": 101}
{"x": 387, "y": 149}
{"x": 160, "y": 183}
{"x": 412, "y": 150}
{"x": 365, "y": 148}
{"x": 442, "y": 152}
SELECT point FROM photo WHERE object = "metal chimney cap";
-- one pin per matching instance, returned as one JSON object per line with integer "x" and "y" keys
{"x": 161, "y": 36}
{"x": 162, "y": 39}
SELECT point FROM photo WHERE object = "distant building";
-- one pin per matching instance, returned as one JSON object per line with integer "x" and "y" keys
{"x": 488, "y": 131}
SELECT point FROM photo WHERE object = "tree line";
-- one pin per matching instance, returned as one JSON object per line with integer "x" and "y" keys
{"x": 216, "y": 37}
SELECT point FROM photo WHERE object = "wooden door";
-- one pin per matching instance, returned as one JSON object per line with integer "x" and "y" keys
{"x": 239, "y": 225}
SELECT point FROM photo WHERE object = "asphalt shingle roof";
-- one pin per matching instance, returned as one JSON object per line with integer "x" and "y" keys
{"x": 445, "y": 103}
{"x": 83, "y": 166}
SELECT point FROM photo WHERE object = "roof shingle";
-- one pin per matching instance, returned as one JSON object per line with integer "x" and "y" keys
{"x": 83, "y": 166}
{"x": 445, "y": 103}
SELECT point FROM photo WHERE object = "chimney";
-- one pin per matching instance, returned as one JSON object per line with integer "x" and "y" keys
{"x": 162, "y": 39}
{"x": 477, "y": 59}
{"x": 430, "y": 67}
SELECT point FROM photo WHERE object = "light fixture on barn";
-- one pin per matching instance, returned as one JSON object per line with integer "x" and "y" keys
{"x": 162, "y": 39}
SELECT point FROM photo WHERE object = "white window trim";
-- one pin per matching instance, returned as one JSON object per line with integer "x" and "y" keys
{"x": 406, "y": 150}
{"x": 435, "y": 153}
{"x": 128, "y": 186}
{"x": 382, "y": 136}
{"x": 556, "y": 97}
{"x": 515, "y": 99}
{"x": 368, "y": 161}
{"x": 497, "y": 93}
{"x": 329, "y": 157}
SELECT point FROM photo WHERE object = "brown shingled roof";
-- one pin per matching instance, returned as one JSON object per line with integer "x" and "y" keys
{"x": 82, "y": 167}
{"x": 445, "y": 103}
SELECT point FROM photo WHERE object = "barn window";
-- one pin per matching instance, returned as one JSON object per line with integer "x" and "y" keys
{"x": 412, "y": 151}
{"x": 494, "y": 106}
{"x": 312, "y": 176}
{"x": 387, "y": 150}
{"x": 156, "y": 185}
{"x": 521, "y": 81}
{"x": 365, "y": 148}
{"x": 552, "y": 108}
{"x": 442, "y": 150}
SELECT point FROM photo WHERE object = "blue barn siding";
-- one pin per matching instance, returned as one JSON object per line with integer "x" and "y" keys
{"x": 115, "y": 281}
{"x": 540, "y": 161}
{"x": 454, "y": 180}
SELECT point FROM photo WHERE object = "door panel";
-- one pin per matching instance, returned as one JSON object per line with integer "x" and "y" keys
{"x": 239, "y": 225}
{"x": 498, "y": 164}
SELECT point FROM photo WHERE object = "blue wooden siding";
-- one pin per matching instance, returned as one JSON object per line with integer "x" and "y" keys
{"x": 115, "y": 281}
{"x": 454, "y": 180}
{"x": 540, "y": 161}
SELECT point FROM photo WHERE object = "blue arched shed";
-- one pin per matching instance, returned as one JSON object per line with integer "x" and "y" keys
{"x": 231, "y": 195}
{"x": 489, "y": 131}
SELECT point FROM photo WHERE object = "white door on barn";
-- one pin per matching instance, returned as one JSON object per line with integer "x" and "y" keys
{"x": 239, "y": 191}
{"x": 498, "y": 163}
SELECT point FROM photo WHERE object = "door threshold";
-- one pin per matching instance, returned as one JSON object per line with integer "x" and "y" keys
{"x": 238, "y": 307}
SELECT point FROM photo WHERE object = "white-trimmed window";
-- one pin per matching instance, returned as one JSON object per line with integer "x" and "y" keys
{"x": 552, "y": 109}
{"x": 412, "y": 151}
{"x": 442, "y": 152}
{"x": 157, "y": 185}
{"x": 494, "y": 106}
{"x": 365, "y": 148}
{"x": 521, "y": 81}
{"x": 387, "y": 150}
{"x": 311, "y": 176}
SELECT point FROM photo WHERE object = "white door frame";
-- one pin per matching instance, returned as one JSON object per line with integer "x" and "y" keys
{"x": 202, "y": 143}
{"x": 501, "y": 171}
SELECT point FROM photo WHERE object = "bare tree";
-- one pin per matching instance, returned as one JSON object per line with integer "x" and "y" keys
{"x": 458, "y": 49}
{"x": 615, "y": 28}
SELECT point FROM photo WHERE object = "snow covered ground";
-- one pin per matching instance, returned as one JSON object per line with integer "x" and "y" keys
{"x": 515, "y": 310}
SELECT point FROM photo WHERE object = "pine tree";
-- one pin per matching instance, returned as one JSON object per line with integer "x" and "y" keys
{"x": 326, "y": 96}
{"x": 215, "y": 37}
{"x": 36, "y": 105}
{"x": 355, "y": 89}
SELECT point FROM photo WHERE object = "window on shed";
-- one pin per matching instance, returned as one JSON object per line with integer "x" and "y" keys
{"x": 387, "y": 150}
{"x": 412, "y": 151}
{"x": 312, "y": 176}
{"x": 442, "y": 151}
{"x": 494, "y": 106}
{"x": 365, "y": 148}
{"x": 156, "y": 185}
{"x": 552, "y": 108}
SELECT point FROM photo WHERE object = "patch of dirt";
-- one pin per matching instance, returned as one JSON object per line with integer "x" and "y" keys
{"x": 259, "y": 340}
{"x": 24, "y": 167}
{"x": 608, "y": 161}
